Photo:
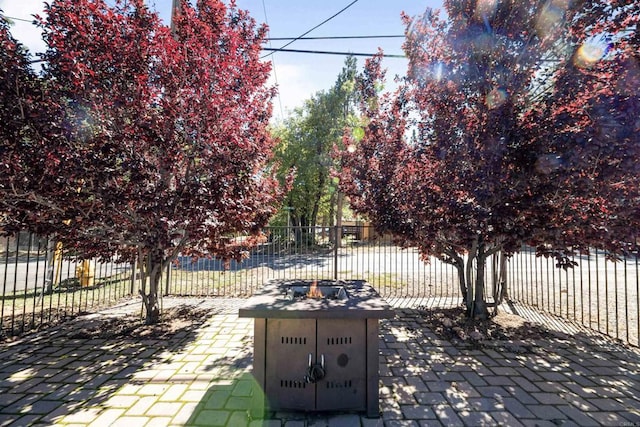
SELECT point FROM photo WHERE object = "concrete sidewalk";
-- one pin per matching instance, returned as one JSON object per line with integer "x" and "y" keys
{"x": 201, "y": 376}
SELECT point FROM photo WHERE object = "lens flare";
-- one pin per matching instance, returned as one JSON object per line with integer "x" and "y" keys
{"x": 496, "y": 98}
{"x": 548, "y": 163}
{"x": 483, "y": 44}
{"x": 438, "y": 71}
{"x": 589, "y": 54}
{"x": 485, "y": 9}
{"x": 549, "y": 21}
{"x": 433, "y": 72}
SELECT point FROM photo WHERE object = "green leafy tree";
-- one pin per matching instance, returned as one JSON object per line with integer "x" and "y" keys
{"x": 307, "y": 139}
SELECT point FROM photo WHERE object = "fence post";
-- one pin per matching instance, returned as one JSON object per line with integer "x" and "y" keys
{"x": 336, "y": 245}
{"x": 49, "y": 266}
{"x": 134, "y": 268}
{"x": 168, "y": 278}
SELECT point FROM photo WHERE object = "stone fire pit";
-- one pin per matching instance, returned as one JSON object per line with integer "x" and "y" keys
{"x": 316, "y": 344}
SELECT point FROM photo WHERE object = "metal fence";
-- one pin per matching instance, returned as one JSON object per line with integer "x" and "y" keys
{"x": 42, "y": 285}
{"x": 600, "y": 294}
{"x": 311, "y": 253}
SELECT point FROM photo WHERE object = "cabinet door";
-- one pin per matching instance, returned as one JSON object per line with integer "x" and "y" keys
{"x": 343, "y": 344}
{"x": 289, "y": 343}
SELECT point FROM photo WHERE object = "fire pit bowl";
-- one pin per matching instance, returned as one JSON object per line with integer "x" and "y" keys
{"x": 316, "y": 345}
{"x": 314, "y": 290}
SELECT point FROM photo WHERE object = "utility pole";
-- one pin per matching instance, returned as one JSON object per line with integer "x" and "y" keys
{"x": 175, "y": 8}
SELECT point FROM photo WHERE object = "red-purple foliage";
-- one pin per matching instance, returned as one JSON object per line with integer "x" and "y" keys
{"x": 517, "y": 123}
{"x": 160, "y": 140}
{"x": 20, "y": 145}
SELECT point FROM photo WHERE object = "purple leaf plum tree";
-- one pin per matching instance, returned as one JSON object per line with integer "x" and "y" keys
{"x": 517, "y": 123}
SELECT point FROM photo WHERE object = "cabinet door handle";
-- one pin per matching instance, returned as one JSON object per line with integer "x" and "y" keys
{"x": 315, "y": 372}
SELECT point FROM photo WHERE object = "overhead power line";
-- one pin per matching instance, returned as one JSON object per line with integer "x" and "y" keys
{"x": 13, "y": 18}
{"x": 319, "y": 25}
{"x": 271, "y": 39}
{"x": 333, "y": 38}
{"x": 324, "y": 52}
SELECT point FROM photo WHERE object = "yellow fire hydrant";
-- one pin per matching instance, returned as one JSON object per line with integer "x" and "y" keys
{"x": 85, "y": 273}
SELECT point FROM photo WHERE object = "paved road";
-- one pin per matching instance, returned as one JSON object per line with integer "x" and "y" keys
{"x": 18, "y": 275}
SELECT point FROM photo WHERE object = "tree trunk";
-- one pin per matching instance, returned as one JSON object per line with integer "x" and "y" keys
{"x": 458, "y": 262}
{"x": 479, "y": 309}
{"x": 463, "y": 284}
{"x": 317, "y": 198}
{"x": 468, "y": 271}
{"x": 153, "y": 264}
{"x": 472, "y": 283}
{"x": 499, "y": 279}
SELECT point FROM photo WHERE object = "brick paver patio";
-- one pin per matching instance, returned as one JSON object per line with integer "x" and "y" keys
{"x": 201, "y": 376}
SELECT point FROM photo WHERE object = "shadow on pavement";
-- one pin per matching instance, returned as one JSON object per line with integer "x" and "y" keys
{"x": 47, "y": 376}
{"x": 199, "y": 375}
{"x": 579, "y": 379}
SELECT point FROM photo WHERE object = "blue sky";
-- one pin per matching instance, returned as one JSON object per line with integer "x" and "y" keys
{"x": 301, "y": 75}
{"x": 298, "y": 75}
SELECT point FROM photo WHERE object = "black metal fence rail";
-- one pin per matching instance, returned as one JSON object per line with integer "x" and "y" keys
{"x": 600, "y": 294}
{"x": 42, "y": 284}
{"x": 311, "y": 253}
